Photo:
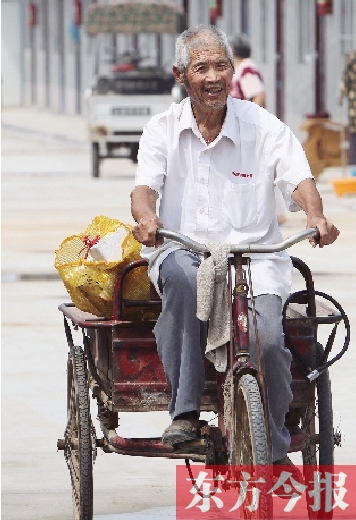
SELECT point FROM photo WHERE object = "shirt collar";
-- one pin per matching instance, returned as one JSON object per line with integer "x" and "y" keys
{"x": 187, "y": 120}
{"x": 229, "y": 127}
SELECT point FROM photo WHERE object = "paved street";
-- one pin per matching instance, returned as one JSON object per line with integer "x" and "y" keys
{"x": 47, "y": 195}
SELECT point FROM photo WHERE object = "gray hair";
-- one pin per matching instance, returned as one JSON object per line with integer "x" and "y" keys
{"x": 195, "y": 37}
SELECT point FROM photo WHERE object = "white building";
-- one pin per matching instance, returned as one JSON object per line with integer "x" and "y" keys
{"x": 48, "y": 59}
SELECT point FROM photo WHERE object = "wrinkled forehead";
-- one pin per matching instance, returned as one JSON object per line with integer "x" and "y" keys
{"x": 206, "y": 45}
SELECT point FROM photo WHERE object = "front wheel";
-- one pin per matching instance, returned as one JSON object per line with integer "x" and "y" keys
{"x": 133, "y": 152}
{"x": 251, "y": 450}
{"x": 80, "y": 441}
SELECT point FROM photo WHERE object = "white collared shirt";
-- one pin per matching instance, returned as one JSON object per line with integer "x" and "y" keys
{"x": 223, "y": 191}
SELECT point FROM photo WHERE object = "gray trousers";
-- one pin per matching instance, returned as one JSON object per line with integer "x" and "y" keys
{"x": 181, "y": 340}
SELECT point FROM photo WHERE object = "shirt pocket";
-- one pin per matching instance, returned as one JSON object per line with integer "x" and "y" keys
{"x": 240, "y": 204}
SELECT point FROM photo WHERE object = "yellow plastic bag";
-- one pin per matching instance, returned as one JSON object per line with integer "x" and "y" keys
{"x": 91, "y": 283}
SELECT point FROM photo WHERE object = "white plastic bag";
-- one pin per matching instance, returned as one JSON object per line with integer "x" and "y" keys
{"x": 109, "y": 247}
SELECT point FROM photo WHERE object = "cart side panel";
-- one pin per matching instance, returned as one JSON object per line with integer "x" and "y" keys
{"x": 100, "y": 341}
{"x": 303, "y": 334}
{"x": 139, "y": 382}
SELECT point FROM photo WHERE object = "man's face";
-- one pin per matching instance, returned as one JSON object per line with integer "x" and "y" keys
{"x": 208, "y": 76}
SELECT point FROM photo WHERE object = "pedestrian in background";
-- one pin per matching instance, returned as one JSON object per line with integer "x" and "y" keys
{"x": 247, "y": 83}
{"x": 348, "y": 89}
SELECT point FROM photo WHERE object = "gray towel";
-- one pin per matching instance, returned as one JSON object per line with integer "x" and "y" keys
{"x": 214, "y": 302}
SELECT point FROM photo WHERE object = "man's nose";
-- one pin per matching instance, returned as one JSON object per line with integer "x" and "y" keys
{"x": 213, "y": 74}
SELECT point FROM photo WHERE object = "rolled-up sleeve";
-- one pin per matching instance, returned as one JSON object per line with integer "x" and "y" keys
{"x": 152, "y": 155}
{"x": 288, "y": 164}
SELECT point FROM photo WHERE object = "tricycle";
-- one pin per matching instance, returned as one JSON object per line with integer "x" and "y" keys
{"x": 119, "y": 365}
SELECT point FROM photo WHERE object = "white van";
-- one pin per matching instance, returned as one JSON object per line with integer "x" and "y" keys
{"x": 118, "y": 108}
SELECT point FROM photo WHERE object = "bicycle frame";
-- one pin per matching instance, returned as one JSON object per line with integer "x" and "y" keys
{"x": 239, "y": 351}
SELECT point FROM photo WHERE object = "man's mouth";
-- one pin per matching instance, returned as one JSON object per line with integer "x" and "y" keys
{"x": 213, "y": 90}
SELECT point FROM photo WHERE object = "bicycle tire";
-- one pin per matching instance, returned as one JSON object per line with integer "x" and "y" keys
{"x": 317, "y": 422}
{"x": 79, "y": 436}
{"x": 251, "y": 448}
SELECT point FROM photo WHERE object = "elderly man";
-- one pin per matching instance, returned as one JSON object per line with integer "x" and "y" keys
{"x": 213, "y": 162}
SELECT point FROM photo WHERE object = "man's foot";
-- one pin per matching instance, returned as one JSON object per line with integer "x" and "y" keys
{"x": 289, "y": 467}
{"x": 298, "y": 439}
{"x": 185, "y": 427}
{"x": 286, "y": 491}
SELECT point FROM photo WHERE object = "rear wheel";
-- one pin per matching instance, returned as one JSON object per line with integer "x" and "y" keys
{"x": 95, "y": 159}
{"x": 80, "y": 440}
{"x": 317, "y": 422}
{"x": 134, "y": 152}
{"x": 251, "y": 450}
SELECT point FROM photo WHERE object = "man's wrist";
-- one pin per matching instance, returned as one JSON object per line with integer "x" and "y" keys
{"x": 315, "y": 218}
{"x": 147, "y": 219}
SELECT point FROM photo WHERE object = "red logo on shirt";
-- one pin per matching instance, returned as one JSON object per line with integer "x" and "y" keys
{"x": 238, "y": 174}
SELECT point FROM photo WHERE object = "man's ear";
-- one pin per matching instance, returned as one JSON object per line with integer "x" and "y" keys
{"x": 178, "y": 75}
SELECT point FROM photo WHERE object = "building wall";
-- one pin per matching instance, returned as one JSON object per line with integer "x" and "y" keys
{"x": 299, "y": 51}
{"x": 11, "y": 77}
{"x": 341, "y": 30}
{"x": 55, "y": 61}
{"x": 299, "y": 62}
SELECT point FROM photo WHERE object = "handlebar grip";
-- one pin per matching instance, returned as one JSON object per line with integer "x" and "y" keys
{"x": 316, "y": 237}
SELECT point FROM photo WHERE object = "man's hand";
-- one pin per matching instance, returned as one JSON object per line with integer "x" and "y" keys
{"x": 308, "y": 197}
{"x": 328, "y": 232}
{"x": 145, "y": 231}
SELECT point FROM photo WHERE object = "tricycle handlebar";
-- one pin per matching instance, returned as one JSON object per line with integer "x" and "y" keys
{"x": 235, "y": 248}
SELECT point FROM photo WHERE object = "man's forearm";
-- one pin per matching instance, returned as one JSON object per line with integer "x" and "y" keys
{"x": 308, "y": 198}
{"x": 143, "y": 203}
{"x": 143, "y": 209}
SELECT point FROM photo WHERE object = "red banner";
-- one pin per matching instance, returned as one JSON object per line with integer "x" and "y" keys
{"x": 220, "y": 492}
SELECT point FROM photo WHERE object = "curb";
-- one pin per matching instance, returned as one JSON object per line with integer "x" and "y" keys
{"x": 40, "y": 133}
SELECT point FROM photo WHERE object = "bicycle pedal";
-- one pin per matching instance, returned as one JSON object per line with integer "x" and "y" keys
{"x": 194, "y": 446}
